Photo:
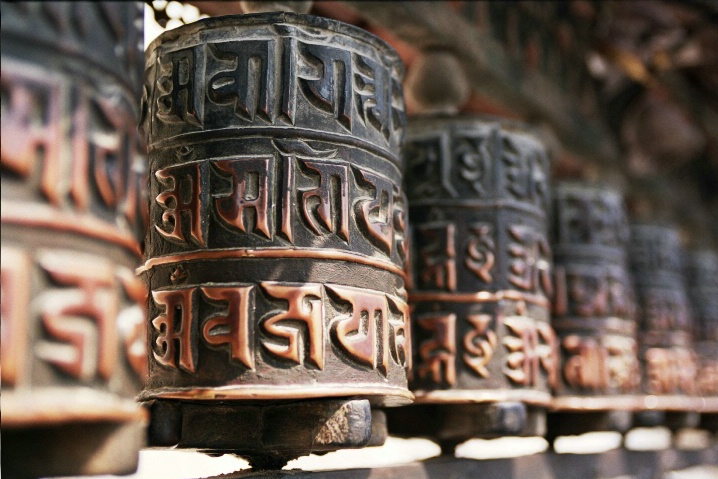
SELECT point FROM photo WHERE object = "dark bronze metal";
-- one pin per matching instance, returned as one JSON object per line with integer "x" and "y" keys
{"x": 666, "y": 347}
{"x": 276, "y": 256}
{"x": 73, "y": 312}
{"x": 593, "y": 313}
{"x": 478, "y": 191}
{"x": 701, "y": 272}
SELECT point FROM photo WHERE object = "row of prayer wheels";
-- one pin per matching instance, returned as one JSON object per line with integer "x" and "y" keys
{"x": 313, "y": 263}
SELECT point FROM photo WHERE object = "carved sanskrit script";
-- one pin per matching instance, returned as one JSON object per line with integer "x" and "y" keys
{"x": 88, "y": 316}
{"x": 317, "y": 197}
{"x": 272, "y": 81}
{"x": 100, "y": 138}
{"x": 372, "y": 333}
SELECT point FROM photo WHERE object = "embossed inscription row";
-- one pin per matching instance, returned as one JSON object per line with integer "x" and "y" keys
{"x": 280, "y": 81}
{"x": 90, "y": 311}
{"x": 593, "y": 291}
{"x": 670, "y": 371}
{"x": 440, "y": 248}
{"x": 604, "y": 364}
{"x": 476, "y": 166}
{"x": 304, "y": 323}
{"x": 97, "y": 150}
{"x": 300, "y": 199}
{"x": 530, "y": 345}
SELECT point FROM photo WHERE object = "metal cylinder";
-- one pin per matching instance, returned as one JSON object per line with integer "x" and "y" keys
{"x": 478, "y": 193}
{"x": 701, "y": 272}
{"x": 594, "y": 308}
{"x": 665, "y": 332}
{"x": 276, "y": 254}
{"x": 73, "y": 334}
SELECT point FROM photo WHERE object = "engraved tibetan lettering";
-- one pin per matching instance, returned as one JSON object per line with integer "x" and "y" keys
{"x": 248, "y": 82}
{"x": 400, "y": 332}
{"x": 14, "y": 301}
{"x": 686, "y": 368}
{"x": 304, "y": 304}
{"x": 30, "y": 127}
{"x": 184, "y": 197}
{"x": 548, "y": 351}
{"x": 374, "y": 85}
{"x": 480, "y": 251}
{"x": 79, "y": 348}
{"x": 522, "y": 362}
{"x": 175, "y": 328}
{"x": 525, "y": 172}
{"x": 531, "y": 263}
{"x": 479, "y": 344}
{"x": 363, "y": 333}
{"x": 232, "y": 325}
{"x": 329, "y": 201}
{"x": 475, "y": 156}
{"x": 585, "y": 363}
{"x": 179, "y": 102}
{"x": 324, "y": 75}
{"x": 250, "y": 189}
{"x": 377, "y": 214}
{"x": 437, "y": 256}
{"x": 438, "y": 354}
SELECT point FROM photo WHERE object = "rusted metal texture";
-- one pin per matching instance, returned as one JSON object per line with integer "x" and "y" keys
{"x": 593, "y": 307}
{"x": 702, "y": 281}
{"x": 478, "y": 191}
{"x": 276, "y": 256}
{"x": 665, "y": 334}
{"x": 73, "y": 312}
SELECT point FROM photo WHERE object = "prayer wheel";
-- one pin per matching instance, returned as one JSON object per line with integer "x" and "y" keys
{"x": 485, "y": 355}
{"x": 668, "y": 360}
{"x": 276, "y": 254}
{"x": 73, "y": 312}
{"x": 594, "y": 312}
{"x": 701, "y": 272}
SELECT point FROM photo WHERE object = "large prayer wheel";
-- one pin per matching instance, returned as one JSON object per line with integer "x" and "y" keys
{"x": 73, "y": 312}
{"x": 669, "y": 362}
{"x": 276, "y": 254}
{"x": 594, "y": 312}
{"x": 484, "y": 347}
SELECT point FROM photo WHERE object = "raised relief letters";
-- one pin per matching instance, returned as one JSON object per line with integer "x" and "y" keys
{"x": 479, "y": 344}
{"x": 377, "y": 214}
{"x": 364, "y": 332}
{"x": 378, "y": 96}
{"x": 184, "y": 200}
{"x": 326, "y": 207}
{"x": 247, "y": 80}
{"x": 585, "y": 366}
{"x": 525, "y": 172}
{"x": 177, "y": 100}
{"x": 250, "y": 189}
{"x": 532, "y": 346}
{"x": 438, "y": 353}
{"x": 480, "y": 257}
{"x": 31, "y": 127}
{"x": 73, "y": 339}
{"x": 232, "y": 326}
{"x": 437, "y": 256}
{"x": 304, "y": 305}
{"x": 175, "y": 329}
{"x": 530, "y": 268}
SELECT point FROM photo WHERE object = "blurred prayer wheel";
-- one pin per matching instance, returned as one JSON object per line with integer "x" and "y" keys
{"x": 485, "y": 352}
{"x": 73, "y": 312}
{"x": 594, "y": 312}
{"x": 701, "y": 269}
{"x": 665, "y": 333}
{"x": 276, "y": 254}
